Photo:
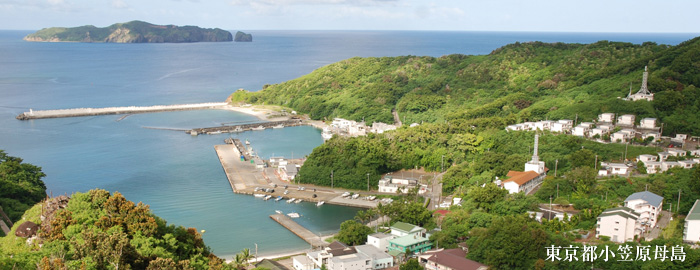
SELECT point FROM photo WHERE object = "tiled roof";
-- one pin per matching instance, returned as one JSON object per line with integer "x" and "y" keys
{"x": 403, "y": 226}
{"x": 455, "y": 259}
{"x": 620, "y": 211}
{"x": 521, "y": 178}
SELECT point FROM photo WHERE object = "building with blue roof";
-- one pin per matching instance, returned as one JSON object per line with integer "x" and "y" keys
{"x": 648, "y": 205}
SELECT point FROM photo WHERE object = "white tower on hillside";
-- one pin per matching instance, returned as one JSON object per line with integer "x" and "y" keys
{"x": 535, "y": 164}
{"x": 643, "y": 92}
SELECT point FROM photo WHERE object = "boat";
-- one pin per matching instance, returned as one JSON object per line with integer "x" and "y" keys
{"x": 247, "y": 142}
{"x": 293, "y": 215}
{"x": 278, "y": 198}
{"x": 258, "y": 128}
{"x": 214, "y": 132}
{"x": 320, "y": 203}
{"x": 291, "y": 200}
{"x": 238, "y": 129}
{"x": 346, "y": 194}
{"x": 259, "y": 195}
{"x": 267, "y": 197}
{"x": 355, "y": 196}
{"x": 298, "y": 201}
{"x": 278, "y": 211}
{"x": 278, "y": 126}
{"x": 286, "y": 192}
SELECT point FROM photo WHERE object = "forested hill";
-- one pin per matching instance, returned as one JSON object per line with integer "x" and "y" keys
{"x": 518, "y": 82}
{"x": 130, "y": 32}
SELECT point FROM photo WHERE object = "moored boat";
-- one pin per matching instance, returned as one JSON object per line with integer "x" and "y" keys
{"x": 293, "y": 215}
{"x": 320, "y": 203}
{"x": 278, "y": 198}
{"x": 291, "y": 200}
{"x": 258, "y": 128}
{"x": 259, "y": 195}
{"x": 267, "y": 197}
{"x": 298, "y": 201}
{"x": 278, "y": 211}
{"x": 278, "y": 126}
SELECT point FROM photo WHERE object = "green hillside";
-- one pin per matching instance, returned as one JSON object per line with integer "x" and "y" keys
{"x": 130, "y": 32}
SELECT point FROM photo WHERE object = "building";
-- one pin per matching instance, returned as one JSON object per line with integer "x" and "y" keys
{"x": 581, "y": 131}
{"x": 626, "y": 120}
{"x": 647, "y": 123}
{"x": 390, "y": 184}
{"x": 654, "y": 134}
{"x": 663, "y": 156}
{"x": 653, "y": 166}
{"x": 379, "y": 258}
{"x": 379, "y": 128}
{"x": 606, "y": 118}
{"x": 597, "y": 131}
{"x": 647, "y": 204}
{"x": 618, "y": 137}
{"x": 695, "y": 152}
{"x": 303, "y": 262}
{"x": 452, "y": 259}
{"x": 544, "y": 125}
{"x": 620, "y": 224}
{"x": 615, "y": 168}
{"x": 645, "y": 158}
{"x": 676, "y": 152}
{"x": 379, "y": 240}
{"x": 667, "y": 165}
{"x": 400, "y": 229}
{"x": 687, "y": 164}
{"x": 587, "y": 124}
{"x": 409, "y": 244}
{"x": 643, "y": 93}
{"x": 691, "y": 232}
{"x": 288, "y": 172}
{"x": 527, "y": 180}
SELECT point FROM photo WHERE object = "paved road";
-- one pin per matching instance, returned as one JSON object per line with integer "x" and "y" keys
{"x": 660, "y": 224}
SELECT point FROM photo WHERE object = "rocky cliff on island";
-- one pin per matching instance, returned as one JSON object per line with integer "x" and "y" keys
{"x": 131, "y": 32}
{"x": 243, "y": 37}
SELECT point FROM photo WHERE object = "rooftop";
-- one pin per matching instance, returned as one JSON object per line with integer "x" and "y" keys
{"x": 521, "y": 178}
{"x": 694, "y": 213}
{"x": 647, "y": 196}
{"x": 381, "y": 235}
{"x": 372, "y": 252}
{"x": 402, "y": 226}
{"x": 620, "y": 211}
{"x": 455, "y": 259}
{"x": 408, "y": 240}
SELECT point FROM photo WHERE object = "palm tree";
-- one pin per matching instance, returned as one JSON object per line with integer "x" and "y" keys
{"x": 239, "y": 262}
{"x": 246, "y": 256}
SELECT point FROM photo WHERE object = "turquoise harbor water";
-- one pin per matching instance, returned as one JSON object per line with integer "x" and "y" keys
{"x": 178, "y": 175}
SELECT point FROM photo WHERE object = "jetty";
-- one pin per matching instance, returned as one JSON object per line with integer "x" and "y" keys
{"x": 300, "y": 231}
{"x": 78, "y": 112}
{"x": 246, "y": 127}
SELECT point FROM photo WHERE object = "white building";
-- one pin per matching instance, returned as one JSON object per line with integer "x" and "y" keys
{"x": 354, "y": 261}
{"x": 581, "y": 131}
{"x": 379, "y": 240}
{"x": 676, "y": 152}
{"x": 597, "y": 131}
{"x": 544, "y": 124}
{"x": 380, "y": 259}
{"x": 666, "y": 165}
{"x": 626, "y": 120}
{"x": 605, "y": 127}
{"x": 380, "y": 128}
{"x": 616, "y": 168}
{"x": 620, "y": 224}
{"x": 695, "y": 152}
{"x": 288, "y": 172}
{"x": 691, "y": 233}
{"x": 389, "y": 184}
{"x": 606, "y": 118}
{"x": 663, "y": 156}
{"x": 587, "y": 124}
{"x": 527, "y": 180}
{"x": 653, "y": 134}
{"x": 619, "y": 136}
{"x": 647, "y": 204}
{"x": 645, "y": 158}
{"x": 647, "y": 123}
{"x": 653, "y": 166}
{"x": 687, "y": 164}
{"x": 400, "y": 229}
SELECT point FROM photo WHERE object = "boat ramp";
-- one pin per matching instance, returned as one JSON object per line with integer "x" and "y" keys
{"x": 300, "y": 231}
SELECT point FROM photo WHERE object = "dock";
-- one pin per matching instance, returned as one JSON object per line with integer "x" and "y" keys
{"x": 78, "y": 112}
{"x": 300, "y": 231}
{"x": 246, "y": 127}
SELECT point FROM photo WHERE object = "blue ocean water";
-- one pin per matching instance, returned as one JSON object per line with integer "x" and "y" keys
{"x": 179, "y": 175}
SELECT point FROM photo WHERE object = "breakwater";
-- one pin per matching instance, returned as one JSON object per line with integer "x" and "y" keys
{"x": 300, "y": 231}
{"x": 246, "y": 127}
{"x": 77, "y": 112}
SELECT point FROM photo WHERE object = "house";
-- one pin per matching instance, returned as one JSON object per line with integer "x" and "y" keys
{"x": 647, "y": 204}
{"x": 645, "y": 158}
{"x": 695, "y": 152}
{"x": 616, "y": 168}
{"x": 680, "y": 137}
{"x": 587, "y": 124}
{"x": 379, "y": 258}
{"x": 618, "y": 137}
{"x": 653, "y": 166}
{"x": 324, "y": 256}
{"x": 341, "y": 123}
{"x": 620, "y": 224}
{"x": 379, "y": 240}
{"x": 379, "y": 128}
{"x": 605, "y": 127}
{"x": 452, "y": 259}
{"x": 581, "y": 131}
{"x": 626, "y": 120}
{"x": 529, "y": 126}
{"x": 666, "y": 165}
{"x": 400, "y": 229}
{"x": 653, "y": 134}
{"x": 354, "y": 261}
{"x": 409, "y": 244}
{"x": 597, "y": 131}
{"x": 278, "y": 162}
{"x": 390, "y": 184}
{"x": 544, "y": 125}
{"x": 647, "y": 123}
{"x": 663, "y": 156}
{"x": 288, "y": 172}
{"x": 687, "y": 164}
{"x": 515, "y": 127}
{"x": 558, "y": 127}
{"x": 606, "y": 118}
{"x": 691, "y": 233}
{"x": 259, "y": 164}
{"x": 303, "y": 262}
{"x": 527, "y": 180}
{"x": 676, "y": 152}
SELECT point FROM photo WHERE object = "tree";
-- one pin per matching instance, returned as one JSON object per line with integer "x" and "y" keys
{"x": 353, "y": 233}
{"x": 411, "y": 264}
{"x": 583, "y": 157}
{"x": 485, "y": 197}
{"x": 582, "y": 178}
{"x": 21, "y": 186}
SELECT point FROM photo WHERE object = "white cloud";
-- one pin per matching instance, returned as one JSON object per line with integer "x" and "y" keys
{"x": 309, "y": 2}
{"x": 56, "y": 2}
{"x": 119, "y": 4}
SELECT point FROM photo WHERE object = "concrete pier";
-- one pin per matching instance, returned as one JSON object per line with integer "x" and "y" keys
{"x": 246, "y": 127}
{"x": 40, "y": 114}
{"x": 300, "y": 231}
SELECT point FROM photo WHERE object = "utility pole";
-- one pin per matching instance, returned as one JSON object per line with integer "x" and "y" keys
{"x": 627, "y": 144}
{"x": 678, "y": 208}
{"x": 331, "y": 178}
{"x": 367, "y": 181}
{"x": 557, "y": 190}
{"x": 595, "y": 165}
{"x": 556, "y": 165}
{"x": 442, "y": 164}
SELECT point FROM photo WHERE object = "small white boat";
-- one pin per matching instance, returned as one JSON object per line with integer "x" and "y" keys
{"x": 286, "y": 192}
{"x": 320, "y": 203}
{"x": 279, "y": 198}
{"x": 214, "y": 132}
{"x": 291, "y": 200}
{"x": 247, "y": 142}
{"x": 278, "y": 126}
{"x": 259, "y": 195}
{"x": 345, "y": 194}
{"x": 298, "y": 201}
{"x": 258, "y": 128}
{"x": 267, "y": 197}
{"x": 278, "y": 211}
{"x": 293, "y": 215}
{"x": 355, "y": 196}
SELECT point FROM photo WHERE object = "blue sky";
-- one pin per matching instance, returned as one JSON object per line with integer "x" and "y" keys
{"x": 671, "y": 16}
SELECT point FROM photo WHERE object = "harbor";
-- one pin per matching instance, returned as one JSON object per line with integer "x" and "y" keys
{"x": 300, "y": 231}
{"x": 246, "y": 127}
{"x": 79, "y": 112}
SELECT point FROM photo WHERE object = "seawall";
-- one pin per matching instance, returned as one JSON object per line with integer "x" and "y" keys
{"x": 78, "y": 112}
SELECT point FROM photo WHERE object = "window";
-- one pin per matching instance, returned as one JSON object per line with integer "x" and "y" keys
{"x": 616, "y": 229}
{"x": 617, "y": 222}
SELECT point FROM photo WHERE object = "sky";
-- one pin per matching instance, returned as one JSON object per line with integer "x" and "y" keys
{"x": 669, "y": 16}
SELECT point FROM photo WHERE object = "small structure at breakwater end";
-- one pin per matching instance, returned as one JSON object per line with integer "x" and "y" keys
{"x": 246, "y": 127}
{"x": 77, "y": 112}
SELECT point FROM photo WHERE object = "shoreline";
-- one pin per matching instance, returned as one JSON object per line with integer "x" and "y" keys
{"x": 261, "y": 112}
{"x": 269, "y": 255}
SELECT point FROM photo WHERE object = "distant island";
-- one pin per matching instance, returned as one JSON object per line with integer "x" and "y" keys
{"x": 131, "y": 32}
{"x": 243, "y": 37}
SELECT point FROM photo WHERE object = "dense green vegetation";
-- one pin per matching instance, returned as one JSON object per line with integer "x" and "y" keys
{"x": 131, "y": 32}
{"x": 20, "y": 186}
{"x": 99, "y": 230}
{"x": 243, "y": 37}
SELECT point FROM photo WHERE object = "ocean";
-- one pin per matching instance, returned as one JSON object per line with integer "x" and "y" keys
{"x": 179, "y": 175}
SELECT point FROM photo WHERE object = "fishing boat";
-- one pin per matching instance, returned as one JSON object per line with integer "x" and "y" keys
{"x": 279, "y": 198}
{"x": 238, "y": 129}
{"x": 267, "y": 197}
{"x": 259, "y": 195}
{"x": 214, "y": 132}
{"x": 355, "y": 196}
{"x": 291, "y": 200}
{"x": 278, "y": 211}
{"x": 293, "y": 215}
{"x": 247, "y": 142}
{"x": 345, "y": 194}
{"x": 258, "y": 128}
{"x": 320, "y": 203}
{"x": 298, "y": 201}
{"x": 278, "y": 126}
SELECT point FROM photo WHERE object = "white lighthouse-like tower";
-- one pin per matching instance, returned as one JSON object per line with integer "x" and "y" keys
{"x": 535, "y": 164}
{"x": 643, "y": 92}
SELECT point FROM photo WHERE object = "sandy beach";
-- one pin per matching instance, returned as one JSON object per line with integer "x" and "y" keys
{"x": 267, "y": 113}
